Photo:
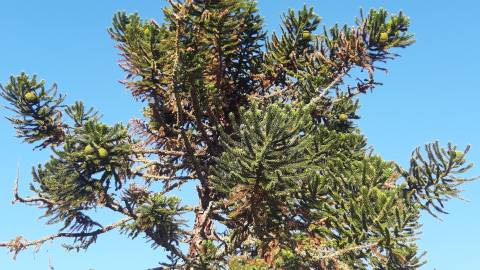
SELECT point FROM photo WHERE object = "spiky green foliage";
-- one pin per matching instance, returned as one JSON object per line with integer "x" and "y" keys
{"x": 301, "y": 188}
{"x": 266, "y": 127}
{"x": 262, "y": 168}
{"x": 158, "y": 215}
{"x": 36, "y": 108}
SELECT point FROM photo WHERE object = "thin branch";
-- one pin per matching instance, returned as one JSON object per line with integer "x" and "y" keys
{"x": 165, "y": 177}
{"x": 19, "y": 243}
{"x": 325, "y": 90}
{"x": 167, "y": 188}
{"x": 341, "y": 252}
{"x": 160, "y": 152}
{"x": 27, "y": 200}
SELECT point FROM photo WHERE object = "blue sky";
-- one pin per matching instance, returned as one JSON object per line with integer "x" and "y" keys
{"x": 430, "y": 93}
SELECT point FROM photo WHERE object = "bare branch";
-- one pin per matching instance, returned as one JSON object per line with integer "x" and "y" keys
{"x": 341, "y": 252}
{"x": 165, "y": 177}
{"x": 27, "y": 200}
{"x": 19, "y": 243}
{"x": 160, "y": 152}
{"x": 324, "y": 91}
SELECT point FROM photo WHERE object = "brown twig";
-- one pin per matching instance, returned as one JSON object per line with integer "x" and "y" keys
{"x": 27, "y": 200}
{"x": 19, "y": 243}
{"x": 341, "y": 252}
{"x": 160, "y": 152}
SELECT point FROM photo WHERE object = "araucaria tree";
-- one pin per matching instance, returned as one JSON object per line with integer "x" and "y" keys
{"x": 265, "y": 128}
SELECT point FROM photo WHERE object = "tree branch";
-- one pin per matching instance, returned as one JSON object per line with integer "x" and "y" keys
{"x": 160, "y": 152}
{"x": 340, "y": 252}
{"x": 19, "y": 243}
{"x": 27, "y": 200}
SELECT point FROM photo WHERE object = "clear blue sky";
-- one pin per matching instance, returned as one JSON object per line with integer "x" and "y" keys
{"x": 431, "y": 92}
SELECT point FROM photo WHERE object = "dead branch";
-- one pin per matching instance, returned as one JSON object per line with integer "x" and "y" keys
{"x": 19, "y": 243}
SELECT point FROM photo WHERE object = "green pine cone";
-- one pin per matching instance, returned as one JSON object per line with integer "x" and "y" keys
{"x": 307, "y": 34}
{"x": 31, "y": 97}
{"x": 458, "y": 156}
{"x": 102, "y": 152}
{"x": 343, "y": 117}
{"x": 89, "y": 150}
{"x": 383, "y": 37}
